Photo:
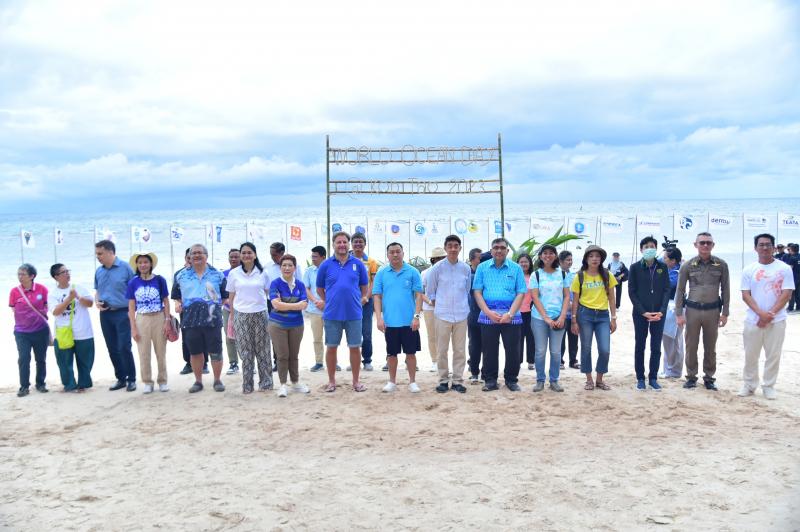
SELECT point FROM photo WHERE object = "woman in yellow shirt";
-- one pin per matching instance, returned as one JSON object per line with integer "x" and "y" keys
{"x": 594, "y": 309}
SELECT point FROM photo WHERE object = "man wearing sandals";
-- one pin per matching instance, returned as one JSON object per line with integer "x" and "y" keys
{"x": 342, "y": 283}
{"x": 397, "y": 294}
{"x": 707, "y": 308}
{"x": 199, "y": 293}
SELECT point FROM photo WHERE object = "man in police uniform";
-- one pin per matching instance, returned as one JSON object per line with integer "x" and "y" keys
{"x": 706, "y": 307}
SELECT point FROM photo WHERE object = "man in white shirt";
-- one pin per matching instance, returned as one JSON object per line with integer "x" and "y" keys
{"x": 767, "y": 286}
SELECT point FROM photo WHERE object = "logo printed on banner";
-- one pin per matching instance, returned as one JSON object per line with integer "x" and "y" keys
{"x": 473, "y": 227}
{"x": 686, "y": 223}
{"x": 790, "y": 221}
{"x": 336, "y": 227}
{"x": 541, "y": 225}
{"x": 460, "y": 226}
{"x": 146, "y": 235}
{"x": 498, "y": 227}
{"x": 435, "y": 229}
{"x": 58, "y": 235}
{"x": 395, "y": 229}
{"x": 361, "y": 229}
{"x": 27, "y": 239}
{"x": 719, "y": 221}
{"x": 296, "y": 233}
{"x": 379, "y": 227}
{"x": 419, "y": 228}
{"x": 176, "y": 233}
{"x": 755, "y": 221}
{"x": 579, "y": 228}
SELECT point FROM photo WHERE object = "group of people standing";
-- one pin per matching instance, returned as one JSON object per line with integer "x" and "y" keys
{"x": 534, "y": 305}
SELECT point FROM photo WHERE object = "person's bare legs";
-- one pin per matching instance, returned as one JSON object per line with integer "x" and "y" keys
{"x": 355, "y": 363}
{"x": 197, "y": 362}
{"x": 411, "y": 364}
{"x": 330, "y": 364}
{"x": 216, "y": 367}
{"x": 392, "y": 362}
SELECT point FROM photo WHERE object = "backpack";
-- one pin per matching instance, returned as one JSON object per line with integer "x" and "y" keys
{"x": 536, "y": 273}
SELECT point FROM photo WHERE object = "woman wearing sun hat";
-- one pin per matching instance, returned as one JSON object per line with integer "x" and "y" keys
{"x": 148, "y": 312}
{"x": 594, "y": 313}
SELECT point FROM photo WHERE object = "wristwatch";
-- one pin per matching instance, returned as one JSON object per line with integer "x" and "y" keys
{"x": 416, "y": 316}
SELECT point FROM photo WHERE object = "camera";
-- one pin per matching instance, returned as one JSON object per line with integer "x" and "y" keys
{"x": 669, "y": 244}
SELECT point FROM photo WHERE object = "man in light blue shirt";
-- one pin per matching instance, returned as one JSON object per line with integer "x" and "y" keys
{"x": 397, "y": 292}
{"x": 449, "y": 283}
{"x": 315, "y": 306}
{"x": 111, "y": 283}
{"x": 499, "y": 287}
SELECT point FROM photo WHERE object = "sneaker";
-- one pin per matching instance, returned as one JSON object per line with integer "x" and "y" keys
{"x": 690, "y": 384}
{"x": 414, "y": 387}
{"x": 556, "y": 387}
{"x": 131, "y": 387}
{"x": 196, "y": 387}
{"x": 148, "y": 388}
{"x": 23, "y": 391}
{"x": 367, "y": 367}
{"x": 769, "y": 392}
{"x": 513, "y": 386}
{"x": 117, "y": 386}
{"x": 316, "y": 367}
{"x": 655, "y": 385}
{"x": 539, "y": 386}
{"x": 385, "y": 367}
{"x": 433, "y": 369}
{"x": 163, "y": 387}
{"x": 490, "y": 387}
{"x": 474, "y": 379}
{"x": 41, "y": 388}
{"x": 205, "y": 369}
{"x": 640, "y": 385}
{"x": 745, "y": 391}
{"x": 186, "y": 369}
{"x": 458, "y": 388}
{"x": 338, "y": 367}
{"x": 300, "y": 388}
{"x": 561, "y": 366}
{"x": 219, "y": 387}
{"x": 442, "y": 387}
{"x": 710, "y": 386}
{"x": 233, "y": 369}
{"x": 283, "y": 391}
{"x": 389, "y": 388}
{"x": 531, "y": 367}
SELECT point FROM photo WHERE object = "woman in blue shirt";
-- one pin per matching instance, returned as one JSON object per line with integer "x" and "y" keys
{"x": 550, "y": 298}
{"x": 289, "y": 300}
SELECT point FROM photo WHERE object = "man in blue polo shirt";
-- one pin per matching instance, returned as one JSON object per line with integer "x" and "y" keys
{"x": 397, "y": 292}
{"x": 499, "y": 287}
{"x": 341, "y": 284}
{"x": 111, "y": 283}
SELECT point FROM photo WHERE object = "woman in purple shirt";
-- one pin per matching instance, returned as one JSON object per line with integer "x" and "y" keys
{"x": 31, "y": 327}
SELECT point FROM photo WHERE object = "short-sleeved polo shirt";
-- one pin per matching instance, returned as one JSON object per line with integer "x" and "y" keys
{"x": 112, "y": 283}
{"x": 342, "y": 284}
{"x": 398, "y": 289}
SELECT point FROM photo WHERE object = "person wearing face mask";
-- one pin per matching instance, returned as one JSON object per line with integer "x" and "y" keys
{"x": 649, "y": 291}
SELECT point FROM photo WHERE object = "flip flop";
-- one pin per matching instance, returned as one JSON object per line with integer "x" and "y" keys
{"x": 359, "y": 387}
{"x": 603, "y": 386}
{"x": 588, "y": 386}
{"x": 330, "y": 388}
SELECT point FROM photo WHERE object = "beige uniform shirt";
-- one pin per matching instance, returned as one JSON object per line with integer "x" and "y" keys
{"x": 708, "y": 282}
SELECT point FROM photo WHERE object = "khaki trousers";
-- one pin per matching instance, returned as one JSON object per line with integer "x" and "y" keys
{"x": 151, "y": 333}
{"x": 430, "y": 329}
{"x": 457, "y": 333}
{"x": 315, "y": 322}
{"x": 770, "y": 338}
{"x": 286, "y": 343}
{"x": 706, "y": 321}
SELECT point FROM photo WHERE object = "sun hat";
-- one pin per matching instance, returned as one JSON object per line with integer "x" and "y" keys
{"x": 153, "y": 259}
{"x": 438, "y": 253}
{"x": 589, "y": 249}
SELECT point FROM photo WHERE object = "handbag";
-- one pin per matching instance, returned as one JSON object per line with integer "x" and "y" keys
{"x": 65, "y": 336}
{"x": 28, "y": 301}
{"x": 173, "y": 331}
{"x": 230, "y": 332}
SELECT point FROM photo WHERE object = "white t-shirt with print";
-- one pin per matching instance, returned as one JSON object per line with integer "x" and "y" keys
{"x": 765, "y": 282}
{"x": 81, "y": 322}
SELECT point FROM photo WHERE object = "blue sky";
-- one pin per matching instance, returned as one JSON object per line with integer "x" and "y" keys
{"x": 153, "y": 104}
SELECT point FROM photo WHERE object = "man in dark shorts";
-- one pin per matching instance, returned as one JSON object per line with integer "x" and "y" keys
{"x": 397, "y": 293}
{"x": 200, "y": 292}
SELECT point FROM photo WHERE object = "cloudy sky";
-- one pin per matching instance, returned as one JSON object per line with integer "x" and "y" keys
{"x": 136, "y": 105}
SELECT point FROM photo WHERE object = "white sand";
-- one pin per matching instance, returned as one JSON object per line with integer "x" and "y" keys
{"x": 615, "y": 460}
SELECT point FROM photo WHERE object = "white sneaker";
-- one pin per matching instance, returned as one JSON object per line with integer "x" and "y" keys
{"x": 163, "y": 387}
{"x": 769, "y": 392}
{"x": 434, "y": 368}
{"x": 148, "y": 388}
{"x": 283, "y": 391}
{"x": 300, "y": 388}
{"x": 390, "y": 387}
{"x": 414, "y": 388}
{"x": 745, "y": 391}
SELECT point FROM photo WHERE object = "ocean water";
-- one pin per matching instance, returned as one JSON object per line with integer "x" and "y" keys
{"x": 419, "y": 226}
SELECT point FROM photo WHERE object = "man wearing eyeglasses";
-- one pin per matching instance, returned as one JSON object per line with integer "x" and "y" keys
{"x": 499, "y": 287}
{"x": 707, "y": 307}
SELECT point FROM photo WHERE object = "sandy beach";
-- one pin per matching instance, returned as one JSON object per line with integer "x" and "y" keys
{"x": 616, "y": 460}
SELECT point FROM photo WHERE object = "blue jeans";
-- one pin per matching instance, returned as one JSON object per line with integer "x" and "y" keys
{"x": 594, "y": 322}
{"x": 117, "y": 334}
{"x": 36, "y": 341}
{"x": 544, "y": 334}
{"x": 366, "y": 331}
{"x": 83, "y": 355}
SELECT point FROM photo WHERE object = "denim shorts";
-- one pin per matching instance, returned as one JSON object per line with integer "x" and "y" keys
{"x": 334, "y": 328}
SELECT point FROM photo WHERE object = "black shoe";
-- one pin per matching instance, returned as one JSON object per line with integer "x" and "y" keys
{"x": 205, "y": 370}
{"x": 690, "y": 384}
{"x": 118, "y": 386}
{"x": 513, "y": 386}
{"x": 442, "y": 388}
{"x": 574, "y": 365}
{"x": 23, "y": 391}
{"x": 490, "y": 387}
{"x": 131, "y": 387}
{"x": 41, "y": 388}
{"x": 711, "y": 386}
{"x": 186, "y": 369}
{"x": 459, "y": 388}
